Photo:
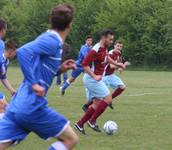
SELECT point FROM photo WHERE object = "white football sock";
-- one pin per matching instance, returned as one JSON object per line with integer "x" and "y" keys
{"x": 59, "y": 146}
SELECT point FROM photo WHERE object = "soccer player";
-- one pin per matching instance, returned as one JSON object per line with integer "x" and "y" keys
{"x": 28, "y": 111}
{"x": 82, "y": 54}
{"x": 94, "y": 65}
{"x": 110, "y": 79}
{"x": 66, "y": 54}
{"x": 10, "y": 52}
{"x": 3, "y": 105}
{"x": 3, "y": 28}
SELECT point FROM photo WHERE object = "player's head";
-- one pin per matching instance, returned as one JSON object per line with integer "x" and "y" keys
{"x": 3, "y": 27}
{"x": 10, "y": 49}
{"x": 61, "y": 17}
{"x": 88, "y": 40}
{"x": 118, "y": 45}
{"x": 107, "y": 37}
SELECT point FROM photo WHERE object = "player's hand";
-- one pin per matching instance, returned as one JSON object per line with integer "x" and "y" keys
{"x": 97, "y": 77}
{"x": 121, "y": 65}
{"x": 67, "y": 65}
{"x": 13, "y": 92}
{"x": 127, "y": 63}
{"x": 39, "y": 90}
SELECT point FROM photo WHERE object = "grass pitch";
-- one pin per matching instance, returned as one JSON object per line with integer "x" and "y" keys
{"x": 143, "y": 113}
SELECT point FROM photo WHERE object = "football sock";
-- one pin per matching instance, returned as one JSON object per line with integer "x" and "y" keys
{"x": 86, "y": 117}
{"x": 99, "y": 110}
{"x": 58, "y": 146}
{"x": 66, "y": 85}
{"x": 117, "y": 92}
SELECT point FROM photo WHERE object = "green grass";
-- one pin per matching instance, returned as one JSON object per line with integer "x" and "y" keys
{"x": 143, "y": 113}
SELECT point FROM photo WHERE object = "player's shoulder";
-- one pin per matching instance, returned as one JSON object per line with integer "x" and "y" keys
{"x": 83, "y": 47}
{"x": 96, "y": 47}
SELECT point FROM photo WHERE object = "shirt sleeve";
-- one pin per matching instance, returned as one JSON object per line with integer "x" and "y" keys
{"x": 90, "y": 57}
{"x": 30, "y": 58}
{"x": 25, "y": 61}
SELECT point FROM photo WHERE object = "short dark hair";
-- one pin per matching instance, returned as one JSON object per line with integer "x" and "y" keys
{"x": 61, "y": 16}
{"x": 88, "y": 37}
{"x": 3, "y": 24}
{"x": 10, "y": 45}
{"x": 106, "y": 32}
{"x": 118, "y": 41}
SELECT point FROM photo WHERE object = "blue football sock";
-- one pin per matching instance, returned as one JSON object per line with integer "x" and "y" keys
{"x": 65, "y": 85}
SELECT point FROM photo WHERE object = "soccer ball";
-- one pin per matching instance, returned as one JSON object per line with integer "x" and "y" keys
{"x": 110, "y": 127}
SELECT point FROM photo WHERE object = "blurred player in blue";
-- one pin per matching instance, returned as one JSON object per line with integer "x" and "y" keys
{"x": 3, "y": 28}
{"x": 9, "y": 52}
{"x": 28, "y": 111}
{"x": 3, "y": 105}
{"x": 82, "y": 54}
{"x": 66, "y": 54}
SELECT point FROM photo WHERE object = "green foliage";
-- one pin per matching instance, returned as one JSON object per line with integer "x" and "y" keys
{"x": 144, "y": 26}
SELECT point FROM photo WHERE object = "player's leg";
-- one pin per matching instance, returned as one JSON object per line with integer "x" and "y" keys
{"x": 47, "y": 123}
{"x": 65, "y": 76}
{"x": 3, "y": 104}
{"x": 11, "y": 132}
{"x": 117, "y": 84}
{"x": 98, "y": 90}
{"x": 66, "y": 140}
{"x": 101, "y": 107}
{"x": 88, "y": 100}
{"x": 4, "y": 146}
{"x": 87, "y": 115}
{"x": 58, "y": 81}
{"x": 71, "y": 79}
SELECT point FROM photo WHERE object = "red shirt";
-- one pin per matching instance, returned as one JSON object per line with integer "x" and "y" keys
{"x": 96, "y": 59}
{"x": 116, "y": 56}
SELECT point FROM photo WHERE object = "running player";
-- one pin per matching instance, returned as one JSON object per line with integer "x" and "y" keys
{"x": 94, "y": 65}
{"x": 82, "y": 54}
{"x": 110, "y": 79}
{"x": 10, "y": 52}
{"x": 28, "y": 110}
{"x": 66, "y": 54}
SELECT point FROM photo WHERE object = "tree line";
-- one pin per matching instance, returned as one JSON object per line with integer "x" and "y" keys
{"x": 144, "y": 26}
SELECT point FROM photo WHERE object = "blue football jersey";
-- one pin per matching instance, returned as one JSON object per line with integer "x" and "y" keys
{"x": 39, "y": 61}
{"x": 82, "y": 54}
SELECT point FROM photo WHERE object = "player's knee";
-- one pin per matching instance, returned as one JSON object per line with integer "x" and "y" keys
{"x": 108, "y": 99}
{"x": 4, "y": 146}
{"x": 123, "y": 87}
{"x": 75, "y": 139}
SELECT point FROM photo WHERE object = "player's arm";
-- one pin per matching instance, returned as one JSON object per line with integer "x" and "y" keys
{"x": 4, "y": 80}
{"x": 115, "y": 63}
{"x": 8, "y": 86}
{"x": 24, "y": 59}
{"x": 67, "y": 65}
{"x": 89, "y": 59}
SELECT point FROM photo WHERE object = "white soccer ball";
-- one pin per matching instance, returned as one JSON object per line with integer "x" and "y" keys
{"x": 110, "y": 127}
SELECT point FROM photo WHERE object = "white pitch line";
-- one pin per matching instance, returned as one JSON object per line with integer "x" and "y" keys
{"x": 142, "y": 94}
